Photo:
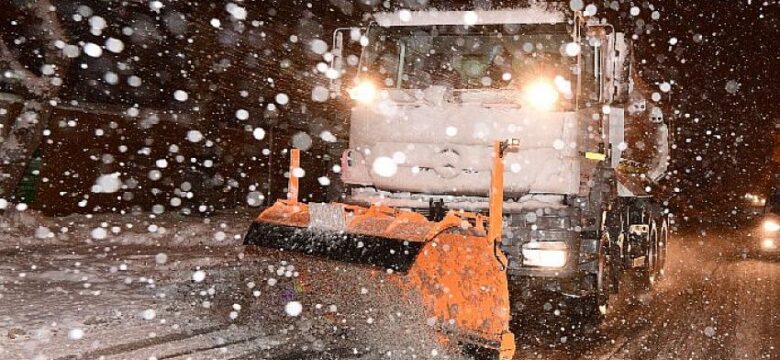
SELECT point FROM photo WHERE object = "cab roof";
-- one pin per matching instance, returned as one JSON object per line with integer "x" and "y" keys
{"x": 530, "y": 15}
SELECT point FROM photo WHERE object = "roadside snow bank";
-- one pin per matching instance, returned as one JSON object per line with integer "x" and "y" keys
{"x": 31, "y": 228}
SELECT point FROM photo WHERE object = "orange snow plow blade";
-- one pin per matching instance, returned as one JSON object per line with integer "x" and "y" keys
{"x": 454, "y": 267}
{"x": 450, "y": 265}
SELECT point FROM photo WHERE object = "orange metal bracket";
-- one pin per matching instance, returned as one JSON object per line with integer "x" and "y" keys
{"x": 496, "y": 199}
{"x": 496, "y": 224}
{"x": 506, "y": 350}
{"x": 292, "y": 184}
{"x": 449, "y": 221}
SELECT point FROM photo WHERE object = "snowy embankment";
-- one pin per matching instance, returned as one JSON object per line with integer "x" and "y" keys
{"x": 149, "y": 286}
{"x": 108, "y": 284}
{"x": 30, "y": 228}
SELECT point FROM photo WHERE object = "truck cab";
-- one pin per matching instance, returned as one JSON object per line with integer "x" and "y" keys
{"x": 766, "y": 232}
{"x": 432, "y": 95}
{"x": 435, "y": 89}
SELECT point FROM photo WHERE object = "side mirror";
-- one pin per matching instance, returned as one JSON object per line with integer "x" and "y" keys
{"x": 337, "y": 63}
{"x": 340, "y": 50}
{"x": 621, "y": 69}
{"x": 602, "y": 42}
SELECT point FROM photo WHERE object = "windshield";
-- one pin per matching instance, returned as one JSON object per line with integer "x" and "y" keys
{"x": 477, "y": 57}
{"x": 773, "y": 203}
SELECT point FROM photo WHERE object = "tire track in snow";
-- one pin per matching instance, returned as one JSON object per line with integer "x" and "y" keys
{"x": 145, "y": 343}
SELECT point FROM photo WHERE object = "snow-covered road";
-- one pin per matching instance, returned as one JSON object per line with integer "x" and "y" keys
{"x": 713, "y": 304}
{"x": 172, "y": 287}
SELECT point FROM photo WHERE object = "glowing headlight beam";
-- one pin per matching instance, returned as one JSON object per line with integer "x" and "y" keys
{"x": 364, "y": 92}
{"x": 544, "y": 258}
{"x": 540, "y": 95}
{"x": 772, "y": 226}
{"x": 768, "y": 244}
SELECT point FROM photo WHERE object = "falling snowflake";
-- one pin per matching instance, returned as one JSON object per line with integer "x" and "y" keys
{"x": 98, "y": 233}
{"x": 470, "y": 18}
{"x": 318, "y": 46}
{"x": 114, "y": 45}
{"x": 320, "y": 94}
{"x": 180, "y": 95}
{"x": 75, "y": 334}
{"x": 238, "y": 12}
{"x": 198, "y": 276}
{"x": 282, "y": 99}
{"x": 732, "y": 87}
{"x": 161, "y": 258}
{"x": 242, "y": 114}
{"x": 148, "y": 314}
{"x": 405, "y": 15}
{"x": 384, "y": 166}
{"x": 293, "y": 308}
{"x": 93, "y": 50}
{"x": 194, "y": 136}
{"x": 108, "y": 183}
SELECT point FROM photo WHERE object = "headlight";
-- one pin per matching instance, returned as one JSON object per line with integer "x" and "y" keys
{"x": 771, "y": 226}
{"x": 545, "y": 254}
{"x": 364, "y": 92}
{"x": 768, "y": 244}
{"x": 540, "y": 95}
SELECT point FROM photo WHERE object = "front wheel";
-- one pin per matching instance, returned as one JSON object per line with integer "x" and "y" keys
{"x": 663, "y": 243}
{"x": 646, "y": 275}
{"x": 595, "y": 306}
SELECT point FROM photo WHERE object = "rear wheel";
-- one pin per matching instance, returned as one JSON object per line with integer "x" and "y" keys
{"x": 609, "y": 274}
{"x": 645, "y": 276}
{"x": 663, "y": 241}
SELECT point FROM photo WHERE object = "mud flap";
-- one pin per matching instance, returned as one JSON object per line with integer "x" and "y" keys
{"x": 639, "y": 262}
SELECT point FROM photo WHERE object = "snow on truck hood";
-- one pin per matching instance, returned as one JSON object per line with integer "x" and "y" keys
{"x": 445, "y": 147}
{"x": 530, "y": 15}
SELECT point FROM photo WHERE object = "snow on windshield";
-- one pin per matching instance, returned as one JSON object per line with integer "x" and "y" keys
{"x": 468, "y": 58}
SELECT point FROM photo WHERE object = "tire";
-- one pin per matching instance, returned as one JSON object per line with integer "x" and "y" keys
{"x": 652, "y": 250}
{"x": 663, "y": 243}
{"x": 645, "y": 277}
{"x": 593, "y": 308}
{"x": 607, "y": 279}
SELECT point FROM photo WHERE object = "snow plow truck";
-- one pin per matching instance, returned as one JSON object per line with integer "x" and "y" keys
{"x": 491, "y": 153}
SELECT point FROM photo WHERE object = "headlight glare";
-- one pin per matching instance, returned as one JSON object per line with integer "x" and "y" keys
{"x": 364, "y": 92}
{"x": 768, "y": 244}
{"x": 545, "y": 254}
{"x": 772, "y": 226}
{"x": 540, "y": 95}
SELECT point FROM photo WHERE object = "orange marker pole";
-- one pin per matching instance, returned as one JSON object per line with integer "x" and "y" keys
{"x": 292, "y": 184}
{"x": 496, "y": 224}
{"x": 496, "y": 214}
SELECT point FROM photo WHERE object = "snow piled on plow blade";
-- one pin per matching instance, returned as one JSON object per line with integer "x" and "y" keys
{"x": 449, "y": 268}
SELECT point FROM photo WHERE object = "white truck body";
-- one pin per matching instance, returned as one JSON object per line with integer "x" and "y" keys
{"x": 445, "y": 85}
{"x": 531, "y": 15}
{"x": 446, "y": 146}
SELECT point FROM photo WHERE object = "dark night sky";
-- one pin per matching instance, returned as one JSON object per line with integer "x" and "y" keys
{"x": 724, "y": 66}
{"x": 731, "y": 132}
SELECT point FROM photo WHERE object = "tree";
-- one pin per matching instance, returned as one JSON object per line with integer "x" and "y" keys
{"x": 41, "y": 87}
